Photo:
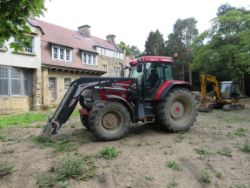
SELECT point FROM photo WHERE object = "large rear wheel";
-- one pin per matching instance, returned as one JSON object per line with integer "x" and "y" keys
{"x": 109, "y": 120}
{"x": 178, "y": 111}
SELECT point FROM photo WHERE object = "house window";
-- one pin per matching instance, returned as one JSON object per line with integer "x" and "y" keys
{"x": 30, "y": 48}
{"x": 15, "y": 81}
{"x": 27, "y": 48}
{"x": 61, "y": 53}
{"x": 52, "y": 88}
{"x": 105, "y": 67}
{"x": 88, "y": 58}
{"x": 117, "y": 71}
{"x": 55, "y": 53}
{"x": 68, "y": 55}
{"x": 67, "y": 82}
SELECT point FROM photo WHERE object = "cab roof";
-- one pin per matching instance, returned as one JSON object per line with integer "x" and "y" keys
{"x": 156, "y": 59}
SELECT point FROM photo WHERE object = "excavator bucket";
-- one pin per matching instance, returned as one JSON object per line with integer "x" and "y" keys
{"x": 205, "y": 107}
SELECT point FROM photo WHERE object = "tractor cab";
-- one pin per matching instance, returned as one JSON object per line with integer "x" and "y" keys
{"x": 151, "y": 72}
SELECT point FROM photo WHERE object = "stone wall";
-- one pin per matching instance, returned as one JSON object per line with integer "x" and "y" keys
{"x": 60, "y": 90}
{"x": 110, "y": 63}
{"x": 15, "y": 104}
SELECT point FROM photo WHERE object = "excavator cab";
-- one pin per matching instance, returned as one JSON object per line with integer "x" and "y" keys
{"x": 229, "y": 90}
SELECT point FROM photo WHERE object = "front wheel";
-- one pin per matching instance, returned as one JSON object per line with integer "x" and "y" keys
{"x": 178, "y": 111}
{"x": 84, "y": 120}
{"x": 109, "y": 121}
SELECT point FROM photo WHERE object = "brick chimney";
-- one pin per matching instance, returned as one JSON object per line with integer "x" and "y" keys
{"x": 111, "y": 38}
{"x": 84, "y": 30}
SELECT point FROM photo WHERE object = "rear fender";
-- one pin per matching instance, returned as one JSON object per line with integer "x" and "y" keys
{"x": 124, "y": 102}
{"x": 168, "y": 86}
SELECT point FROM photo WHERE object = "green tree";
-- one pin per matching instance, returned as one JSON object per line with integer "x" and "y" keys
{"x": 13, "y": 20}
{"x": 224, "y": 50}
{"x": 135, "y": 51}
{"x": 155, "y": 44}
{"x": 180, "y": 41}
{"x": 132, "y": 51}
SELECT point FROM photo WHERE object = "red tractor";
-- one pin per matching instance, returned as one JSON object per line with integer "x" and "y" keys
{"x": 111, "y": 105}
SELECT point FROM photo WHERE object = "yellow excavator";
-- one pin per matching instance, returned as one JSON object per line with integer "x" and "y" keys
{"x": 226, "y": 95}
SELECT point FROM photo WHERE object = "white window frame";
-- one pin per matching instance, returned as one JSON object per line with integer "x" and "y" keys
{"x": 23, "y": 79}
{"x": 66, "y": 84}
{"x": 64, "y": 50}
{"x": 30, "y": 49}
{"x": 88, "y": 58}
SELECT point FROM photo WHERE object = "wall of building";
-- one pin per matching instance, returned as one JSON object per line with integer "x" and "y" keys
{"x": 26, "y": 60}
{"x": 16, "y": 104}
{"x": 112, "y": 65}
{"x": 60, "y": 90}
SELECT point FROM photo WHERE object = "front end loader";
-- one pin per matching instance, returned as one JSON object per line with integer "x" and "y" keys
{"x": 110, "y": 105}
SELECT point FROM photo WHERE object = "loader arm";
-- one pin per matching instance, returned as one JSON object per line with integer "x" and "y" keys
{"x": 67, "y": 105}
{"x": 72, "y": 96}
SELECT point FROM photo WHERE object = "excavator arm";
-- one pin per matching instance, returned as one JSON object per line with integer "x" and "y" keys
{"x": 205, "y": 105}
{"x": 216, "y": 87}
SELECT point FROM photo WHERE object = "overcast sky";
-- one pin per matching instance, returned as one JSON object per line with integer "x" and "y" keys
{"x": 132, "y": 20}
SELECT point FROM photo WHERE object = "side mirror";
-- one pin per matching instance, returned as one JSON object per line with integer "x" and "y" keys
{"x": 139, "y": 67}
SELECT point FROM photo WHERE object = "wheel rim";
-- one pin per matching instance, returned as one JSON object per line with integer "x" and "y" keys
{"x": 112, "y": 121}
{"x": 179, "y": 109}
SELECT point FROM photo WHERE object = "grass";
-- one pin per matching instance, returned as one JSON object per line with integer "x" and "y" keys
{"x": 22, "y": 119}
{"x": 179, "y": 137}
{"x": 149, "y": 178}
{"x": 59, "y": 146}
{"x": 172, "y": 184}
{"x": 47, "y": 180}
{"x": 75, "y": 167}
{"x": 246, "y": 147}
{"x": 240, "y": 132}
{"x": 225, "y": 151}
{"x": 27, "y": 118}
{"x": 69, "y": 167}
{"x": 5, "y": 169}
{"x": 203, "y": 152}
{"x": 173, "y": 165}
{"x": 2, "y": 137}
{"x": 108, "y": 153}
{"x": 205, "y": 177}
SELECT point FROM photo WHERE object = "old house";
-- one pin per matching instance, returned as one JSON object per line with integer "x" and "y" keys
{"x": 38, "y": 76}
{"x": 20, "y": 75}
{"x": 68, "y": 54}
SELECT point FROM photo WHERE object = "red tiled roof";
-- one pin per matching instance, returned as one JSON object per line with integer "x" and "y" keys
{"x": 66, "y": 37}
{"x": 105, "y": 44}
{"x": 63, "y": 36}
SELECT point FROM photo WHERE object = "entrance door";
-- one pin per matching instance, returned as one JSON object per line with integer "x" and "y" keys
{"x": 52, "y": 88}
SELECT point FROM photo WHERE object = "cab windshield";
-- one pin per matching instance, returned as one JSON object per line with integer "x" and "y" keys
{"x": 163, "y": 71}
{"x": 133, "y": 72}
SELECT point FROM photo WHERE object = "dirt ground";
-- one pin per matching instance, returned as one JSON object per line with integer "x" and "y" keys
{"x": 212, "y": 149}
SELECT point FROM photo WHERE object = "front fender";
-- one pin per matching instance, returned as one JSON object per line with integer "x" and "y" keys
{"x": 124, "y": 102}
